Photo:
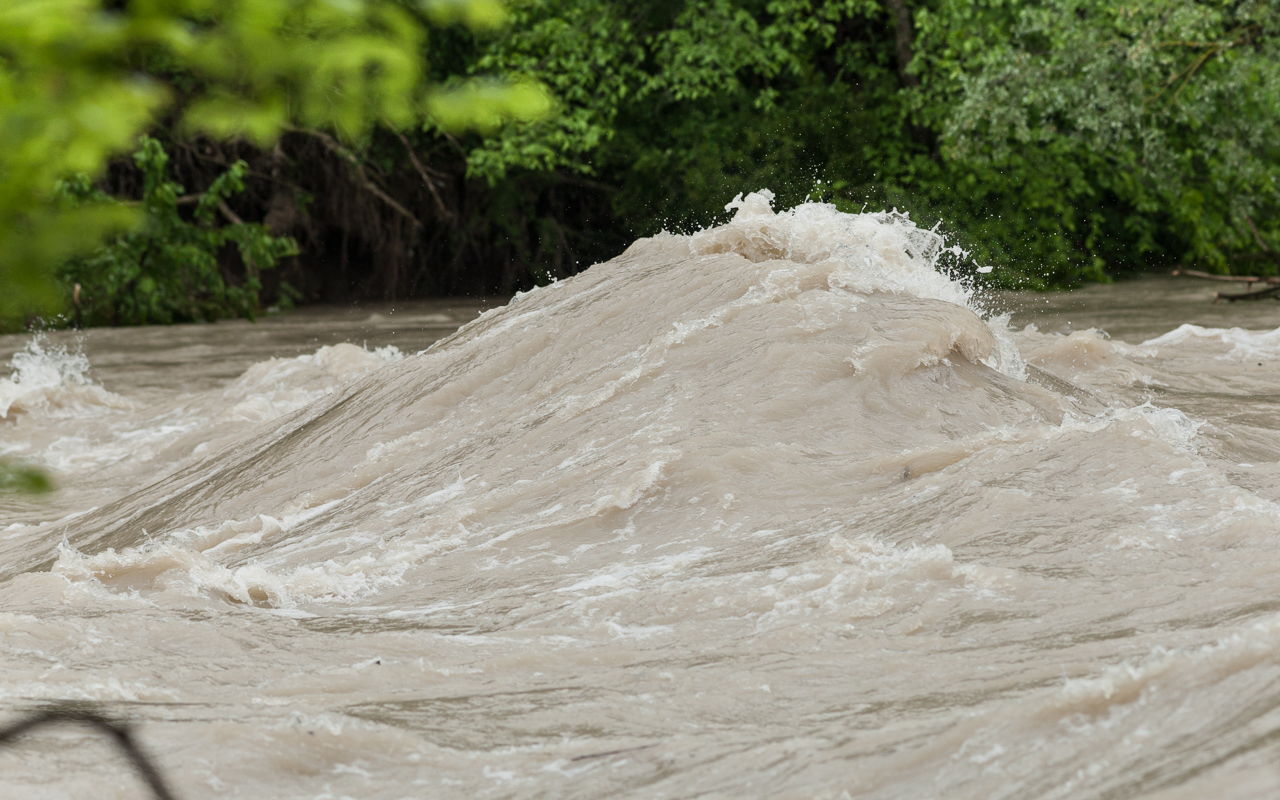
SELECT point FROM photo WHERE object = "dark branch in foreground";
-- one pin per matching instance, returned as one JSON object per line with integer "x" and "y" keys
{"x": 117, "y": 732}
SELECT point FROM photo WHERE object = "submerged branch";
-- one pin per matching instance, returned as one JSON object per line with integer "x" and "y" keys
{"x": 1272, "y": 291}
{"x": 1208, "y": 276}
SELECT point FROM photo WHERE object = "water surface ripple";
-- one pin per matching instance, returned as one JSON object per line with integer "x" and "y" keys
{"x": 778, "y": 509}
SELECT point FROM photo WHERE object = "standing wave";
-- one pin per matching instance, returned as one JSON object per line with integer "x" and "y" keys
{"x": 774, "y": 509}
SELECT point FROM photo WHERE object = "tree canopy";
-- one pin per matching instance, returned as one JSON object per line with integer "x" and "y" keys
{"x": 1062, "y": 139}
{"x": 1059, "y": 140}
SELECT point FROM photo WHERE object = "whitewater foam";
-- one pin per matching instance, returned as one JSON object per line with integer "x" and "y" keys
{"x": 54, "y": 381}
{"x": 773, "y": 509}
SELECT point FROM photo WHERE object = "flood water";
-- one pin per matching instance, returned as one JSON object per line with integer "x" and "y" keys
{"x": 775, "y": 510}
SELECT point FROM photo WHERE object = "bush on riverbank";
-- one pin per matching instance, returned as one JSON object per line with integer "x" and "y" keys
{"x": 167, "y": 270}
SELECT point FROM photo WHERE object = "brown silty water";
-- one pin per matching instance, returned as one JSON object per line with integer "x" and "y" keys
{"x": 779, "y": 509}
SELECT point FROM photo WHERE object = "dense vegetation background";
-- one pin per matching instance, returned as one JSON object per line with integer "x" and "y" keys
{"x": 1058, "y": 140}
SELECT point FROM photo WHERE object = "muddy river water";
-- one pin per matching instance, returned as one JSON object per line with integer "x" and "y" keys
{"x": 780, "y": 509}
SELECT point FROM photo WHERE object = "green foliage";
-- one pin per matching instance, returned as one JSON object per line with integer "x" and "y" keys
{"x": 79, "y": 82}
{"x": 589, "y": 56}
{"x": 80, "y": 79}
{"x": 1062, "y": 140}
{"x": 166, "y": 270}
{"x": 60, "y": 113}
{"x": 23, "y": 479}
{"x": 1173, "y": 105}
{"x": 484, "y": 104}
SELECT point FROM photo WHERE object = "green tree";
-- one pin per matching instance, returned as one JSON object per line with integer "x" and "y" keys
{"x": 1170, "y": 107}
{"x": 1063, "y": 140}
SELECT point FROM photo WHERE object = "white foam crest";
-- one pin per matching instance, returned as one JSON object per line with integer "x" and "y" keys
{"x": 70, "y": 455}
{"x": 1088, "y": 358}
{"x": 861, "y": 253}
{"x": 1169, "y": 424}
{"x": 635, "y": 576}
{"x": 1245, "y": 345}
{"x": 1006, "y": 358}
{"x": 73, "y": 687}
{"x": 879, "y": 252}
{"x": 52, "y": 380}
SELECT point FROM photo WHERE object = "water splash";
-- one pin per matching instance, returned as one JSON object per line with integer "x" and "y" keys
{"x": 53, "y": 380}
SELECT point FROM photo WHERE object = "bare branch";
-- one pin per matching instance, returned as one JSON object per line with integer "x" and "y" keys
{"x": 333, "y": 146}
{"x": 231, "y": 216}
{"x": 903, "y": 38}
{"x": 1257, "y": 237}
{"x": 422, "y": 172}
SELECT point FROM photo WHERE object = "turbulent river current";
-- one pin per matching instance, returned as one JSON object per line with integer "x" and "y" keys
{"x": 778, "y": 509}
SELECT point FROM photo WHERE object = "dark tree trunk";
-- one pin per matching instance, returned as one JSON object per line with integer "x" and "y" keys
{"x": 905, "y": 34}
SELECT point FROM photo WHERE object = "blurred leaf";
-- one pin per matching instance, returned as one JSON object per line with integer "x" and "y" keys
{"x": 475, "y": 14}
{"x": 23, "y": 479}
{"x": 486, "y": 104}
